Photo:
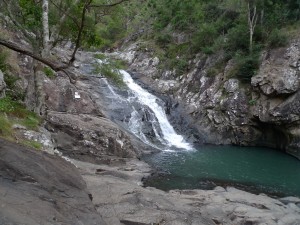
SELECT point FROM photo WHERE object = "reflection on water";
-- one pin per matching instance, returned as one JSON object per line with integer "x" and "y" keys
{"x": 253, "y": 169}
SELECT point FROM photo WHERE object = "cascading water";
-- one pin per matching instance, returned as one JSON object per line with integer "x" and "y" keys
{"x": 162, "y": 129}
{"x": 138, "y": 111}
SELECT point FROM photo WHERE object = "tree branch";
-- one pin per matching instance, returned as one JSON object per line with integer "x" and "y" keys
{"x": 78, "y": 39}
{"x": 53, "y": 65}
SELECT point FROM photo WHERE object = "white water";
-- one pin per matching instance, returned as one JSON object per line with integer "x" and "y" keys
{"x": 170, "y": 137}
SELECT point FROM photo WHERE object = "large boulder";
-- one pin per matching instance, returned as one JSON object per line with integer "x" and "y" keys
{"x": 37, "y": 188}
{"x": 2, "y": 85}
{"x": 88, "y": 138}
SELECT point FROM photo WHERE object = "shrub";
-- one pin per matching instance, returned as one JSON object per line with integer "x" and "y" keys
{"x": 247, "y": 66}
{"x": 277, "y": 39}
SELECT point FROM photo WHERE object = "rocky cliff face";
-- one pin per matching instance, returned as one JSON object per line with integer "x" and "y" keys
{"x": 220, "y": 108}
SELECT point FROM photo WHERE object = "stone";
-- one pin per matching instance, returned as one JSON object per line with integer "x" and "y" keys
{"x": 87, "y": 137}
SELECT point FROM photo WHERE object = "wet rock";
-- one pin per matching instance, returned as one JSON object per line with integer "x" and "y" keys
{"x": 36, "y": 188}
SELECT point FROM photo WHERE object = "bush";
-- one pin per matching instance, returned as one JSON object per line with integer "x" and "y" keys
{"x": 247, "y": 66}
{"x": 277, "y": 39}
{"x": 204, "y": 37}
{"x": 238, "y": 39}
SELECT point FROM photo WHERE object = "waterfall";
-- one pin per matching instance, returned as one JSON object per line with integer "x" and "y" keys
{"x": 161, "y": 127}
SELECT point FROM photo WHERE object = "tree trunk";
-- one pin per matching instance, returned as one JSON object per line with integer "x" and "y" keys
{"x": 252, "y": 19}
{"x": 46, "y": 36}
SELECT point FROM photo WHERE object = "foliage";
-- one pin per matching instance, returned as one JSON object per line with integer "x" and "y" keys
{"x": 110, "y": 68}
{"x": 112, "y": 74}
{"x": 277, "y": 38}
{"x": 16, "y": 110}
{"x": 49, "y": 72}
{"x": 213, "y": 26}
{"x": 246, "y": 66}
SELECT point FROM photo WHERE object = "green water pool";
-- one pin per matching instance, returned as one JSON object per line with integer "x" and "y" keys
{"x": 257, "y": 170}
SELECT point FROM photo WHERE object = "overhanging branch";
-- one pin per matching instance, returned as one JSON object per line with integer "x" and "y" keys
{"x": 53, "y": 65}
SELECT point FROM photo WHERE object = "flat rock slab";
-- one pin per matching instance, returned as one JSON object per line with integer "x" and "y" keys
{"x": 121, "y": 200}
{"x": 41, "y": 189}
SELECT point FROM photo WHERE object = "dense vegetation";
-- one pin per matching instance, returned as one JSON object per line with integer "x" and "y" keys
{"x": 214, "y": 26}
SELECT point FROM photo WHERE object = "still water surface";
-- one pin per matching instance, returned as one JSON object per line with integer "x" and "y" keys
{"x": 258, "y": 170}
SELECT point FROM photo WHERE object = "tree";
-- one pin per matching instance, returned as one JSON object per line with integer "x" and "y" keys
{"x": 252, "y": 20}
{"x": 71, "y": 20}
{"x": 31, "y": 17}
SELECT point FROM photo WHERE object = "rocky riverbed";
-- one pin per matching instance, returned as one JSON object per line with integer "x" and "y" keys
{"x": 38, "y": 188}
